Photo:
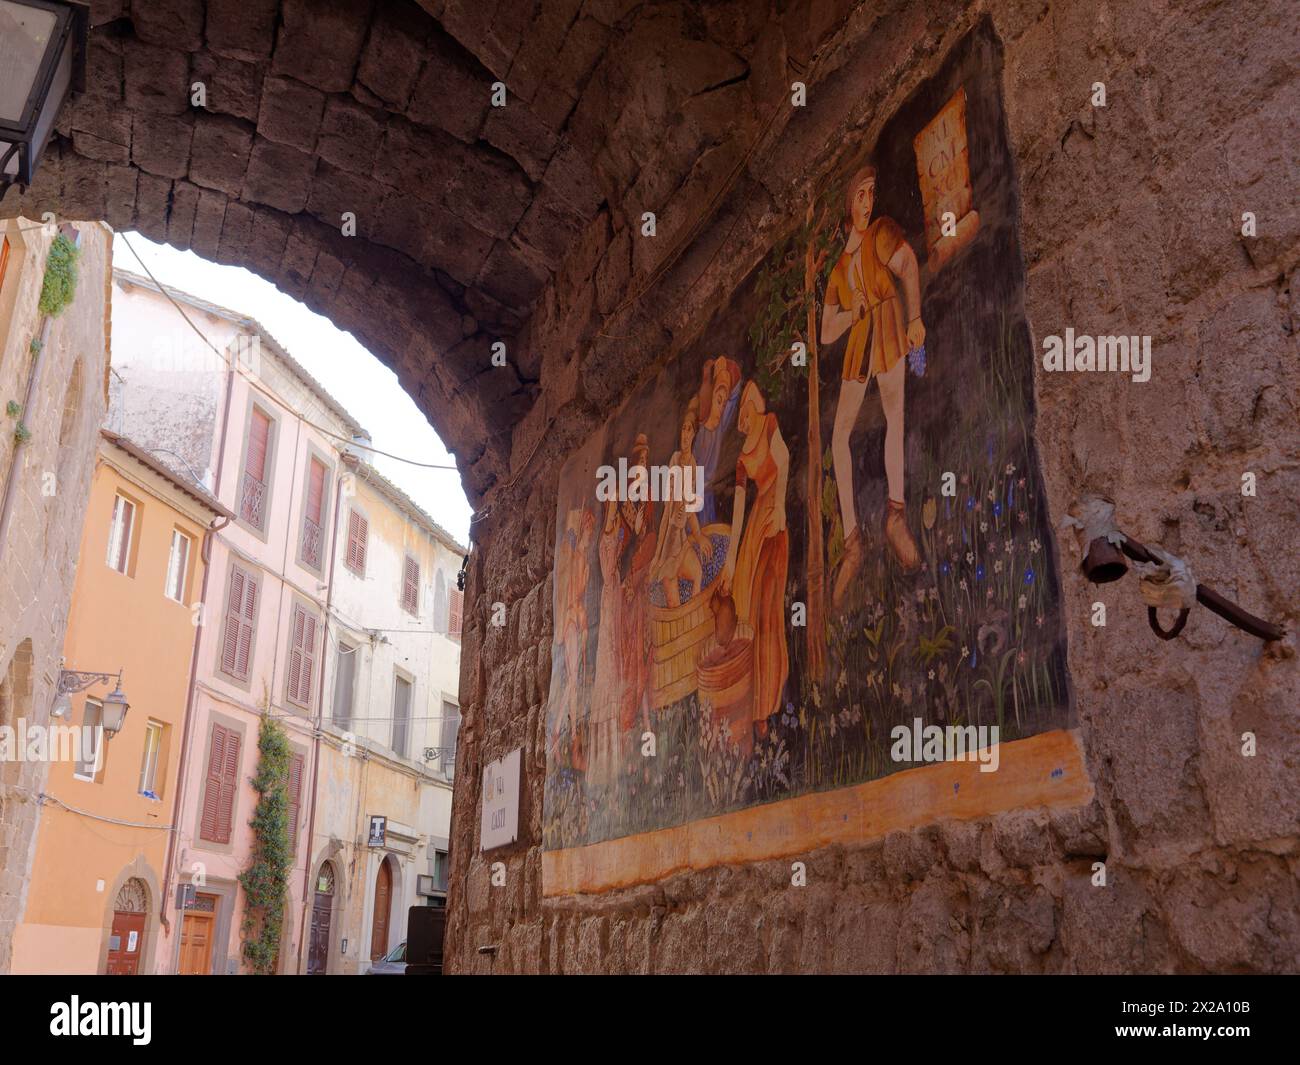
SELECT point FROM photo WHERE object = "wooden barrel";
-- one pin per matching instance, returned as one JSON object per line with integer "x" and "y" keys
{"x": 676, "y": 634}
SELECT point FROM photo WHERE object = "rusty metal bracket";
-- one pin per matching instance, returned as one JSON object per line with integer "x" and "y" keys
{"x": 1104, "y": 562}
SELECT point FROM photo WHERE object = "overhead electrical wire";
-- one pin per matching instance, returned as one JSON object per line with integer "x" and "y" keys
{"x": 234, "y": 365}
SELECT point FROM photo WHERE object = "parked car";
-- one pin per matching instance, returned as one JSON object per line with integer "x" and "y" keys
{"x": 391, "y": 964}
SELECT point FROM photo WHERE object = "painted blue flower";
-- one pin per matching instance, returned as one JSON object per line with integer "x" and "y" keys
{"x": 997, "y": 510}
{"x": 1029, "y": 576}
{"x": 970, "y": 502}
{"x": 944, "y": 568}
{"x": 979, "y": 573}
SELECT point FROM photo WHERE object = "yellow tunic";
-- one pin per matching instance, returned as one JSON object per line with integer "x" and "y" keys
{"x": 881, "y": 331}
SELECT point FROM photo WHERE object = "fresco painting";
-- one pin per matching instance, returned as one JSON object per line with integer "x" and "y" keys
{"x": 868, "y": 544}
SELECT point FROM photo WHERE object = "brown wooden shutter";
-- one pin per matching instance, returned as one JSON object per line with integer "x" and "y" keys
{"x": 208, "y": 821}
{"x": 411, "y": 586}
{"x": 229, "y": 787}
{"x": 308, "y": 658}
{"x": 247, "y": 624}
{"x": 295, "y": 799}
{"x": 302, "y": 657}
{"x": 234, "y": 616}
{"x": 457, "y": 612}
{"x": 358, "y": 532}
{"x": 315, "y": 491}
{"x": 259, "y": 439}
{"x": 295, "y": 654}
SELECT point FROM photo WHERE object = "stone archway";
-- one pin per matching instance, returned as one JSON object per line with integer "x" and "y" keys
{"x": 246, "y": 130}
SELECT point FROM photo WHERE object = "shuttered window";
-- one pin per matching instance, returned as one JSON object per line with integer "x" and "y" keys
{"x": 411, "y": 586}
{"x": 358, "y": 532}
{"x": 401, "y": 714}
{"x": 295, "y": 800}
{"x": 241, "y": 621}
{"x": 257, "y": 462}
{"x": 457, "y": 613}
{"x": 345, "y": 674}
{"x": 302, "y": 656}
{"x": 313, "y": 515}
{"x": 220, "y": 786}
{"x": 259, "y": 445}
{"x": 315, "y": 491}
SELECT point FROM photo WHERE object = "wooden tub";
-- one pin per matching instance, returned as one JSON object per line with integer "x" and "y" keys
{"x": 676, "y": 636}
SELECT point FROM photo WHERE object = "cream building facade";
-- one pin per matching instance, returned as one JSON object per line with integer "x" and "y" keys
{"x": 380, "y": 844}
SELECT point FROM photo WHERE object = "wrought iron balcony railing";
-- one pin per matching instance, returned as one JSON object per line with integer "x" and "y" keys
{"x": 252, "y": 500}
{"x": 311, "y": 541}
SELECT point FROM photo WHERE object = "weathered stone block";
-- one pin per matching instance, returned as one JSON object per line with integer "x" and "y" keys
{"x": 219, "y": 153}
{"x": 160, "y": 144}
{"x": 350, "y": 136}
{"x": 320, "y": 41}
{"x": 242, "y": 29}
{"x": 290, "y": 113}
{"x": 156, "y": 78}
{"x": 278, "y": 176}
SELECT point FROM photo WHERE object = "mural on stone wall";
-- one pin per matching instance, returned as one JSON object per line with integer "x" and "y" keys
{"x": 845, "y": 528}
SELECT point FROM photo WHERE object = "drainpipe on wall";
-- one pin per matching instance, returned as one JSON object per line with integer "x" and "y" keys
{"x": 205, "y": 553}
{"x": 33, "y": 382}
{"x": 320, "y": 722}
{"x": 187, "y": 734}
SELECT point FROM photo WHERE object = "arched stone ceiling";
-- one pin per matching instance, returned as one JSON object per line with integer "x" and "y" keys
{"x": 464, "y": 211}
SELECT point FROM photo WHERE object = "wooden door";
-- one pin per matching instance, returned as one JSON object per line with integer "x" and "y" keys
{"x": 318, "y": 950}
{"x": 125, "y": 943}
{"x": 196, "y": 937}
{"x": 383, "y": 902}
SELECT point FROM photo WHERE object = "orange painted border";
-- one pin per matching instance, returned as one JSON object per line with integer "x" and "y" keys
{"x": 1042, "y": 770}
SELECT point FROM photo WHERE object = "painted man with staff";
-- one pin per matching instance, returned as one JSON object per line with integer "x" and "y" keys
{"x": 874, "y": 295}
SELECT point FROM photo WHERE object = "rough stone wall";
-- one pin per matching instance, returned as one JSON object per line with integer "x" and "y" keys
{"x": 1130, "y": 223}
{"x": 39, "y": 557}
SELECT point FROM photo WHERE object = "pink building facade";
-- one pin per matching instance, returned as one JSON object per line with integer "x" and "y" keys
{"x": 267, "y": 439}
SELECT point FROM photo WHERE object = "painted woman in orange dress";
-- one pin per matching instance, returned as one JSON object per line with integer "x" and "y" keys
{"x": 755, "y": 571}
{"x": 603, "y": 737}
{"x": 572, "y": 627}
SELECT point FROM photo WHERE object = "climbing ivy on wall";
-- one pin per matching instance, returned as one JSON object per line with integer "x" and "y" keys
{"x": 266, "y": 879}
{"x": 60, "y": 284}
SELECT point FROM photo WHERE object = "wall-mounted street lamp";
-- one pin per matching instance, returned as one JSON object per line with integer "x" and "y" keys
{"x": 42, "y": 58}
{"x": 115, "y": 703}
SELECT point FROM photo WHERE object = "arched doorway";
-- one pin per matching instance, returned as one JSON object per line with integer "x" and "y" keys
{"x": 126, "y": 937}
{"x": 383, "y": 910}
{"x": 322, "y": 914}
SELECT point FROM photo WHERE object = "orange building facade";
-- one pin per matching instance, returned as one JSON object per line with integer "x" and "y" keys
{"x": 109, "y": 805}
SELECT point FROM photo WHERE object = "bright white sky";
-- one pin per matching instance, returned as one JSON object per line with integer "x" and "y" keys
{"x": 365, "y": 387}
